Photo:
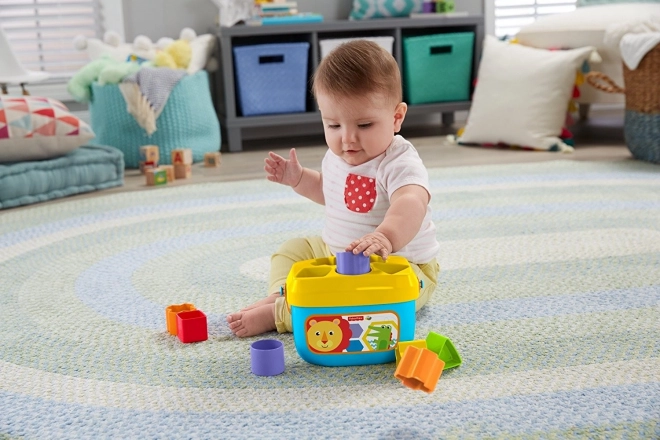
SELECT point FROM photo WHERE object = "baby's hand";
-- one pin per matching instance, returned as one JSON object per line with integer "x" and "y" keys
{"x": 280, "y": 170}
{"x": 374, "y": 243}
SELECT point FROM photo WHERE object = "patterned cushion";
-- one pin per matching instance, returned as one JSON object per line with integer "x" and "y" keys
{"x": 364, "y": 9}
{"x": 33, "y": 128}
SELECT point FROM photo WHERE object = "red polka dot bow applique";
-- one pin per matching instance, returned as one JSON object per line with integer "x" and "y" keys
{"x": 360, "y": 193}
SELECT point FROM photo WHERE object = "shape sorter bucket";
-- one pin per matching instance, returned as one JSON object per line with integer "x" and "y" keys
{"x": 342, "y": 320}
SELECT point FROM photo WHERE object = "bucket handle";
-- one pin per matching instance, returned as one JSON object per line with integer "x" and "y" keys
{"x": 596, "y": 79}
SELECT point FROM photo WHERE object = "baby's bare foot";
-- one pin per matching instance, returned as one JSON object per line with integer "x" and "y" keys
{"x": 270, "y": 299}
{"x": 253, "y": 322}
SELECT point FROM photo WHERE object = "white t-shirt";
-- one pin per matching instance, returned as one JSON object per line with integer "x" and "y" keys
{"x": 357, "y": 198}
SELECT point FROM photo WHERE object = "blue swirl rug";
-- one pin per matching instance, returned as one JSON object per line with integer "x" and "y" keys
{"x": 549, "y": 291}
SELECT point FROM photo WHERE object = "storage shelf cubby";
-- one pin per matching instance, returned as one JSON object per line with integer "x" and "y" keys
{"x": 234, "y": 125}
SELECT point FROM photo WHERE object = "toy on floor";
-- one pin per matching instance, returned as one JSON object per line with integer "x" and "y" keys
{"x": 181, "y": 167}
{"x": 156, "y": 176}
{"x": 420, "y": 363}
{"x": 212, "y": 160}
{"x": 182, "y": 160}
{"x": 419, "y": 369}
{"x": 149, "y": 157}
{"x": 186, "y": 322}
{"x": 267, "y": 357}
{"x": 352, "y": 318}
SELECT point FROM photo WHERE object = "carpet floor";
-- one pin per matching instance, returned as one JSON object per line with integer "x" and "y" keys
{"x": 549, "y": 290}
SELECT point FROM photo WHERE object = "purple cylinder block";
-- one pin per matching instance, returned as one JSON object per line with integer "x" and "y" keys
{"x": 267, "y": 357}
{"x": 350, "y": 264}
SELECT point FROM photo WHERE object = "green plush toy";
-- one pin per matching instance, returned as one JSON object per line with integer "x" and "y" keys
{"x": 105, "y": 70}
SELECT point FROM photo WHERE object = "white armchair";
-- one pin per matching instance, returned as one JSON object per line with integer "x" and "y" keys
{"x": 586, "y": 26}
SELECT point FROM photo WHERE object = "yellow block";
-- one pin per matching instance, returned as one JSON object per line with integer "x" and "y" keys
{"x": 401, "y": 347}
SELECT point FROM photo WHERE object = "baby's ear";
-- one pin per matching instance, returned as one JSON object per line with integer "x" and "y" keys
{"x": 399, "y": 115}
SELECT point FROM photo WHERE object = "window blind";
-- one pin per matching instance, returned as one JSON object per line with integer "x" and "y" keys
{"x": 511, "y": 15}
{"x": 41, "y": 32}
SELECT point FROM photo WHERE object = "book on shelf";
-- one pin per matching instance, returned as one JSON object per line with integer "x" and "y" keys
{"x": 299, "y": 18}
{"x": 439, "y": 14}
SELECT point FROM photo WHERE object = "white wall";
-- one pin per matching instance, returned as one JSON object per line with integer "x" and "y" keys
{"x": 166, "y": 18}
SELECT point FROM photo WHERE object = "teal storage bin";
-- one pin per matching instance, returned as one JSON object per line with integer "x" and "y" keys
{"x": 437, "y": 68}
{"x": 188, "y": 120}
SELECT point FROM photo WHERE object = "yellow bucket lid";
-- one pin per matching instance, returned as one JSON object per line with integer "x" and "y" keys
{"x": 316, "y": 283}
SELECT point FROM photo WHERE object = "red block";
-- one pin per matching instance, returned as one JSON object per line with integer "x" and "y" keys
{"x": 191, "y": 326}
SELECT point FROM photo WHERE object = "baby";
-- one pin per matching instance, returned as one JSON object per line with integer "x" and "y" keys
{"x": 372, "y": 183}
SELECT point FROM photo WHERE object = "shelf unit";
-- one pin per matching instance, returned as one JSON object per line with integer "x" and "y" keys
{"x": 223, "y": 83}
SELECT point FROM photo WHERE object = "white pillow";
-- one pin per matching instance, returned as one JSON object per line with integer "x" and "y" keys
{"x": 522, "y": 95}
{"x": 33, "y": 128}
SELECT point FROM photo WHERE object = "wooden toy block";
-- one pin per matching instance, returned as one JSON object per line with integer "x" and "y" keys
{"x": 149, "y": 153}
{"x": 172, "y": 311}
{"x": 156, "y": 176}
{"x": 192, "y": 326}
{"x": 182, "y": 171}
{"x": 212, "y": 159}
{"x": 419, "y": 369}
{"x": 144, "y": 166}
{"x": 182, "y": 156}
{"x": 169, "y": 170}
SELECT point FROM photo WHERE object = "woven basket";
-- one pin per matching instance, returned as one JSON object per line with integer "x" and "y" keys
{"x": 642, "y": 90}
{"x": 188, "y": 120}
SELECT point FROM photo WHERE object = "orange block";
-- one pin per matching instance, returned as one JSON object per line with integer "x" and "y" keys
{"x": 401, "y": 348}
{"x": 172, "y": 311}
{"x": 419, "y": 369}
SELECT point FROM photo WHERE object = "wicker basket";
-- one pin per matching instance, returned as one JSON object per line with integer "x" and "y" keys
{"x": 642, "y": 90}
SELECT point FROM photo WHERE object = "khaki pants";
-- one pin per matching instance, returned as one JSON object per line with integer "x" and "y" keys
{"x": 299, "y": 249}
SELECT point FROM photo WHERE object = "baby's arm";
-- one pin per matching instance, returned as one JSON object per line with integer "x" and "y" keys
{"x": 400, "y": 225}
{"x": 304, "y": 181}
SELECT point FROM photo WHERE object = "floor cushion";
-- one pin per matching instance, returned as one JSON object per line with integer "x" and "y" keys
{"x": 88, "y": 168}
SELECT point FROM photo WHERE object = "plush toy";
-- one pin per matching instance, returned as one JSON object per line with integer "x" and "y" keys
{"x": 176, "y": 55}
{"x": 112, "y": 45}
{"x": 199, "y": 57}
{"x": 105, "y": 70}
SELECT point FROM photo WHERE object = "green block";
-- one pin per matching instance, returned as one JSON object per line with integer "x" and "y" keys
{"x": 160, "y": 177}
{"x": 446, "y": 351}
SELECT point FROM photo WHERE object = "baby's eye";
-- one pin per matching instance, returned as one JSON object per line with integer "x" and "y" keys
{"x": 333, "y": 125}
{"x": 367, "y": 125}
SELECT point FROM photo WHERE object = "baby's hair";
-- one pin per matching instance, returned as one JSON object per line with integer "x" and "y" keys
{"x": 358, "y": 68}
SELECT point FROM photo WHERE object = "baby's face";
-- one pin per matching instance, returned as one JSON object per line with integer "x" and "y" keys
{"x": 359, "y": 129}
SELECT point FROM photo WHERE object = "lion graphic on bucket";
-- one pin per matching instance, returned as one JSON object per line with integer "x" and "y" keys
{"x": 328, "y": 334}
